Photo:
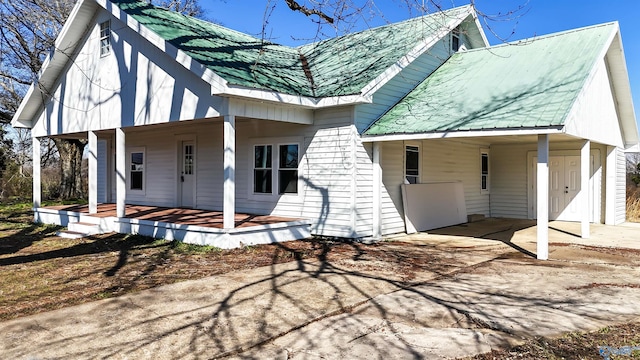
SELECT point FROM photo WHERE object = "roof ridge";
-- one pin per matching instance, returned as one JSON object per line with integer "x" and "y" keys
{"x": 542, "y": 37}
{"x": 417, "y": 18}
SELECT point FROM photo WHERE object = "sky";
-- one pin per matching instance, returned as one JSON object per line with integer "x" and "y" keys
{"x": 535, "y": 17}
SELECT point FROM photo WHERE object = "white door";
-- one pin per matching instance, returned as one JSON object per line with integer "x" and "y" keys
{"x": 564, "y": 186}
{"x": 187, "y": 174}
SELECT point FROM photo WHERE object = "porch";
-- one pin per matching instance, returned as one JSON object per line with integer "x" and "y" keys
{"x": 195, "y": 226}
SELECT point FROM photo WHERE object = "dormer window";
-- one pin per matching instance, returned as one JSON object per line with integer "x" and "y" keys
{"x": 105, "y": 38}
{"x": 455, "y": 40}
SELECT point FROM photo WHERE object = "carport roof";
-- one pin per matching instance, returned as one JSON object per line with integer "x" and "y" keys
{"x": 531, "y": 83}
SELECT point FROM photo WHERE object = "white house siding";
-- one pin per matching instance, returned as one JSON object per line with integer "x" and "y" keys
{"x": 394, "y": 90}
{"x": 135, "y": 84}
{"x": 392, "y": 163}
{"x": 594, "y": 114}
{"x": 364, "y": 189}
{"x": 621, "y": 187}
{"x": 510, "y": 177}
{"x": 103, "y": 166}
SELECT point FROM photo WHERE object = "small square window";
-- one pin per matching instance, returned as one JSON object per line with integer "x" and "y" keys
{"x": 105, "y": 38}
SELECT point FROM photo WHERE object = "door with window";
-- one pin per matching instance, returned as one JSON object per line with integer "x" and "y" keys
{"x": 187, "y": 174}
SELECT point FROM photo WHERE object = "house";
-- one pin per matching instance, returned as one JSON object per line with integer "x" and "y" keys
{"x": 194, "y": 121}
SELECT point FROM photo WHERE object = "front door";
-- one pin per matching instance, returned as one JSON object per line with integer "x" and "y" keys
{"x": 564, "y": 186}
{"x": 187, "y": 174}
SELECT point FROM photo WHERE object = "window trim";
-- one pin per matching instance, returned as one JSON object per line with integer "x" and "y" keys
{"x": 130, "y": 152}
{"x": 484, "y": 152}
{"x": 455, "y": 36}
{"x": 275, "y": 144}
{"x": 107, "y": 36}
{"x": 404, "y": 163}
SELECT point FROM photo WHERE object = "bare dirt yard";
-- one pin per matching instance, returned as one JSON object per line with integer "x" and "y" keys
{"x": 40, "y": 272}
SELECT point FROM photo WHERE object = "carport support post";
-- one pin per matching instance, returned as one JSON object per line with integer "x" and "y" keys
{"x": 377, "y": 184}
{"x": 121, "y": 173}
{"x": 93, "y": 171}
{"x": 229, "y": 190}
{"x": 37, "y": 184}
{"x": 543, "y": 197}
{"x": 584, "y": 188}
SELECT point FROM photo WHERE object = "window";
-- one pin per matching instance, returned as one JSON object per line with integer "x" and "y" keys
{"x": 136, "y": 174}
{"x": 262, "y": 171}
{"x": 105, "y": 38}
{"x": 455, "y": 40}
{"x": 288, "y": 169}
{"x": 411, "y": 164}
{"x": 484, "y": 171}
{"x": 275, "y": 169}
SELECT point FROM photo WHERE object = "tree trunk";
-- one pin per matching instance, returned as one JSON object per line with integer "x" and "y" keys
{"x": 70, "y": 151}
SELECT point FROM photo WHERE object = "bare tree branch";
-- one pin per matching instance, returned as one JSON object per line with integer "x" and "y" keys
{"x": 295, "y": 6}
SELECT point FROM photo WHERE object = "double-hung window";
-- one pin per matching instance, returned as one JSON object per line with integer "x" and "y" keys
{"x": 412, "y": 164}
{"x": 105, "y": 38}
{"x": 275, "y": 168}
{"x": 484, "y": 171}
{"x": 136, "y": 170}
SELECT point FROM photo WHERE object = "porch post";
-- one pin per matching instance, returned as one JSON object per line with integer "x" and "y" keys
{"x": 121, "y": 173}
{"x": 584, "y": 188}
{"x": 37, "y": 184}
{"x": 610, "y": 186}
{"x": 377, "y": 185}
{"x": 93, "y": 171}
{"x": 543, "y": 197}
{"x": 229, "y": 190}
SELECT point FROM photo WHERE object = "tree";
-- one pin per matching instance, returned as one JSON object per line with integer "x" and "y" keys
{"x": 28, "y": 30}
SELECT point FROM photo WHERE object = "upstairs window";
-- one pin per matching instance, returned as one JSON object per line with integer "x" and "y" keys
{"x": 105, "y": 38}
{"x": 412, "y": 164}
{"x": 455, "y": 40}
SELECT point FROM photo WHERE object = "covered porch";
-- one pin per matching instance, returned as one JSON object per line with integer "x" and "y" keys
{"x": 203, "y": 227}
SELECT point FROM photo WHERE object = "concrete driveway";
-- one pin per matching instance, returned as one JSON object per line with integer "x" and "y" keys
{"x": 492, "y": 293}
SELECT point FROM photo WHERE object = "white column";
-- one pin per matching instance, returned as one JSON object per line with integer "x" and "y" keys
{"x": 377, "y": 186}
{"x": 121, "y": 173}
{"x": 37, "y": 184}
{"x": 229, "y": 191}
{"x": 93, "y": 171}
{"x": 543, "y": 197}
{"x": 585, "y": 194}
{"x": 610, "y": 187}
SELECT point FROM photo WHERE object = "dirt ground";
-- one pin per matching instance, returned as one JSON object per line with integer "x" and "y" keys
{"x": 41, "y": 272}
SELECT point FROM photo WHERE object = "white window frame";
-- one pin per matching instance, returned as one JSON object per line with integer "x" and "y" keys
{"x": 275, "y": 144}
{"x": 105, "y": 34}
{"x": 404, "y": 161}
{"x": 455, "y": 35}
{"x": 485, "y": 152}
{"x": 130, "y": 152}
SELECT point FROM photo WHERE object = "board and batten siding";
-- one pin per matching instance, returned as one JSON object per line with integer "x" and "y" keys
{"x": 135, "y": 84}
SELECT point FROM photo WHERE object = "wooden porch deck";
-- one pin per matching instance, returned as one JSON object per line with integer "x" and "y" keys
{"x": 195, "y": 217}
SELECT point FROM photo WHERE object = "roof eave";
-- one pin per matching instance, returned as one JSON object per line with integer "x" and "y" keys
{"x": 464, "y": 134}
{"x": 54, "y": 64}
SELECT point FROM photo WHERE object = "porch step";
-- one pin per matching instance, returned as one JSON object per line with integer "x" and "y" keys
{"x": 68, "y": 234}
{"x": 83, "y": 227}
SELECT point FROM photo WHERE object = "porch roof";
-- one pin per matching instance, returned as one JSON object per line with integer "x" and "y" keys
{"x": 529, "y": 84}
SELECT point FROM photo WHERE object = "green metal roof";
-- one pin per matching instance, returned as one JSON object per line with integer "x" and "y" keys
{"x": 527, "y": 84}
{"x": 339, "y": 66}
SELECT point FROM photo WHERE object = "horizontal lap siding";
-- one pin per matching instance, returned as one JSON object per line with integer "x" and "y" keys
{"x": 392, "y": 163}
{"x": 621, "y": 187}
{"x": 394, "y": 90}
{"x": 209, "y": 168}
{"x": 509, "y": 181}
{"x": 364, "y": 189}
{"x": 454, "y": 161}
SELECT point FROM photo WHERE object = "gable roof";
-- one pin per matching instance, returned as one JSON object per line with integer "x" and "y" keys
{"x": 333, "y": 67}
{"x": 527, "y": 84}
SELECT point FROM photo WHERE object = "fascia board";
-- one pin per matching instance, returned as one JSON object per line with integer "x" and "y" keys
{"x": 462, "y": 134}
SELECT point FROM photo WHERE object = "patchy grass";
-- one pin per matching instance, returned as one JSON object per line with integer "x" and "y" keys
{"x": 633, "y": 203}
{"x": 576, "y": 345}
